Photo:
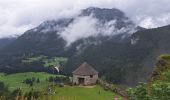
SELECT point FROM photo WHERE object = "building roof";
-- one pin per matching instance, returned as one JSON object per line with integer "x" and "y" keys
{"x": 85, "y": 69}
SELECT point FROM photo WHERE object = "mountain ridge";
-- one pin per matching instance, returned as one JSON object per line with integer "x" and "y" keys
{"x": 123, "y": 58}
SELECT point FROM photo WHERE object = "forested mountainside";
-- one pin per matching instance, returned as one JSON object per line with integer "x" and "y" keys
{"x": 6, "y": 41}
{"x": 121, "y": 51}
{"x": 128, "y": 61}
{"x": 158, "y": 85}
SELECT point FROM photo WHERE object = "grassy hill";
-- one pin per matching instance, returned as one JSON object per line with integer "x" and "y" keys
{"x": 161, "y": 72}
{"x": 158, "y": 86}
{"x": 47, "y": 62}
{"x": 14, "y": 81}
{"x": 81, "y": 93}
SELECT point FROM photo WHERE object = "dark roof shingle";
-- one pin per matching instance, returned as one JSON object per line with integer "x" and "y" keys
{"x": 85, "y": 69}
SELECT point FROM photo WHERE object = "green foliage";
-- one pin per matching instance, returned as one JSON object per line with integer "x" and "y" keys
{"x": 67, "y": 92}
{"x": 15, "y": 81}
{"x": 5, "y": 94}
{"x": 160, "y": 91}
{"x": 46, "y": 62}
{"x": 158, "y": 87}
{"x": 113, "y": 57}
{"x": 17, "y": 92}
{"x": 138, "y": 93}
{"x": 64, "y": 79}
{"x": 165, "y": 56}
{"x": 2, "y": 85}
{"x": 81, "y": 93}
{"x": 167, "y": 76}
{"x": 31, "y": 81}
{"x": 38, "y": 80}
{"x": 54, "y": 61}
{"x": 157, "y": 91}
{"x": 33, "y": 59}
{"x": 33, "y": 94}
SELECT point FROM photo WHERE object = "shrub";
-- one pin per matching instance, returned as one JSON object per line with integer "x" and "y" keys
{"x": 157, "y": 91}
{"x": 165, "y": 56}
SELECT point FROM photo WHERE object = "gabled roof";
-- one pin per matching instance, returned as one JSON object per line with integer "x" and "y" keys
{"x": 85, "y": 69}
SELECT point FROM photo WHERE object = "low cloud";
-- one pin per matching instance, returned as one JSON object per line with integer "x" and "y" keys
{"x": 18, "y": 16}
{"x": 154, "y": 21}
{"x": 83, "y": 27}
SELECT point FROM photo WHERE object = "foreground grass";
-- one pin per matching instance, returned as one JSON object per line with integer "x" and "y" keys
{"x": 80, "y": 93}
{"x": 14, "y": 81}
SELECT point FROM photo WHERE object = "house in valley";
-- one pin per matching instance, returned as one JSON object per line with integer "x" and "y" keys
{"x": 85, "y": 75}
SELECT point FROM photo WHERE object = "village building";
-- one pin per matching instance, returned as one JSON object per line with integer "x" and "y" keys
{"x": 85, "y": 75}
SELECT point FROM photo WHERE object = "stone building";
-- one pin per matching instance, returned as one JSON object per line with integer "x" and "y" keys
{"x": 85, "y": 75}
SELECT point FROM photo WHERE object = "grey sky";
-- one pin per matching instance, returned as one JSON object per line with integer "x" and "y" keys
{"x": 18, "y": 16}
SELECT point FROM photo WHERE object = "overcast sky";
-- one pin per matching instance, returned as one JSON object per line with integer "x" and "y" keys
{"x": 18, "y": 16}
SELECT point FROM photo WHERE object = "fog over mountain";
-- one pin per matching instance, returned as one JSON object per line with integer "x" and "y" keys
{"x": 17, "y": 16}
{"x": 106, "y": 38}
{"x": 90, "y": 22}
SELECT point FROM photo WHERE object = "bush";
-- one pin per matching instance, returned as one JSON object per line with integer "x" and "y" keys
{"x": 61, "y": 84}
{"x": 165, "y": 56}
{"x": 38, "y": 80}
{"x": 161, "y": 91}
{"x": 57, "y": 79}
{"x": 157, "y": 91}
{"x": 30, "y": 81}
{"x": 138, "y": 93}
{"x": 1, "y": 86}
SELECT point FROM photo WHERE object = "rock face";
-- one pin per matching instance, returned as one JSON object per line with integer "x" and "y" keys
{"x": 161, "y": 71}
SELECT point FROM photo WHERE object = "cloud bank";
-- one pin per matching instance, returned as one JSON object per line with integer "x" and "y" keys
{"x": 85, "y": 26}
{"x": 18, "y": 16}
{"x": 81, "y": 27}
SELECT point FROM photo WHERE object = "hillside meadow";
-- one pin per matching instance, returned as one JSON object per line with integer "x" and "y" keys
{"x": 15, "y": 81}
{"x": 81, "y": 93}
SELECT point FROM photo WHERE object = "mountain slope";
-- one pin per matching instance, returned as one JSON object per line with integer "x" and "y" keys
{"x": 110, "y": 44}
{"x": 48, "y": 39}
{"x": 129, "y": 61}
{"x": 6, "y": 41}
{"x": 161, "y": 71}
{"x": 158, "y": 86}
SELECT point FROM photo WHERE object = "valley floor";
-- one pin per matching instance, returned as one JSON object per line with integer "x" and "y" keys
{"x": 80, "y": 93}
{"x": 15, "y": 81}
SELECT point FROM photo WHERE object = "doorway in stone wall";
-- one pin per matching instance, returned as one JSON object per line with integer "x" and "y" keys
{"x": 81, "y": 81}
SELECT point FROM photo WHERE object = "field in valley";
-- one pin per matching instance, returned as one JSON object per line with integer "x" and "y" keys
{"x": 14, "y": 81}
{"x": 81, "y": 93}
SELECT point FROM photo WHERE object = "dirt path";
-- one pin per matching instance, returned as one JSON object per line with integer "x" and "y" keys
{"x": 88, "y": 86}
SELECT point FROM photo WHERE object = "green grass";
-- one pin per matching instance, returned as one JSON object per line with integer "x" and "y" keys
{"x": 162, "y": 69}
{"x": 14, "y": 81}
{"x": 167, "y": 76}
{"x": 33, "y": 59}
{"x": 165, "y": 56}
{"x": 54, "y": 61}
{"x": 46, "y": 61}
{"x": 81, "y": 93}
